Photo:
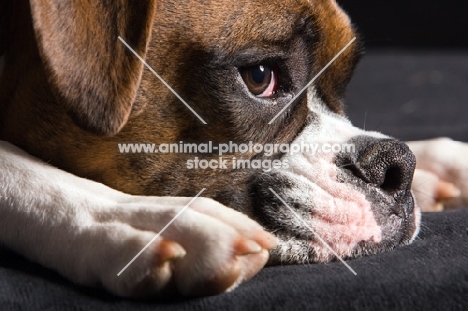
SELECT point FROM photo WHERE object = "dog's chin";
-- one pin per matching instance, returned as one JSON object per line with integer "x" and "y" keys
{"x": 334, "y": 213}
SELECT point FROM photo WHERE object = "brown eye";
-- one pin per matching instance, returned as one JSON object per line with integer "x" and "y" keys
{"x": 261, "y": 80}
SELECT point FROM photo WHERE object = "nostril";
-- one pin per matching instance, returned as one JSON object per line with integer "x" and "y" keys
{"x": 393, "y": 180}
{"x": 390, "y": 180}
{"x": 385, "y": 163}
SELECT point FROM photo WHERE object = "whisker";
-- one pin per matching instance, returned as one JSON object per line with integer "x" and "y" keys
{"x": 349, "y": 164}
{"x": 365, "y": 119}
{"x": 423, "y": 193}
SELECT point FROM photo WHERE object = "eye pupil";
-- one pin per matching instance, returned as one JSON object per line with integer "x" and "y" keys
{"x": 258, "y": 74}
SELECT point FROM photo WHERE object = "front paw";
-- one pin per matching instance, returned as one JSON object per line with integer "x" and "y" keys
{"x": 207, "y": 250}
{"x": 442, "y": 181}
{"x": 432, "y": 194}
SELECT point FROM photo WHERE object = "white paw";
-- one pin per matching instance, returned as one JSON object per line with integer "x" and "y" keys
{"x": 89, "y": 232}
{"x": 442, "y": 179}
{"x": 207, "y": 250}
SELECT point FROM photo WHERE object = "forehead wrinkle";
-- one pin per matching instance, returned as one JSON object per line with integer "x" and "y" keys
{"x": 242, "y": 27}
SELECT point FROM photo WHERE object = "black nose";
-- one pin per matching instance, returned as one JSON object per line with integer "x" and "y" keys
{"x": 385, "y": 163}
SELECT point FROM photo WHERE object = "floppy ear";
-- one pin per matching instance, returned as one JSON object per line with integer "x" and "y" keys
{"x": 93, "y": 73}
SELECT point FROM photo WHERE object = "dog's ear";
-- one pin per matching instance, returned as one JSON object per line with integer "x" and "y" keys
{"x": 92, "y": 72}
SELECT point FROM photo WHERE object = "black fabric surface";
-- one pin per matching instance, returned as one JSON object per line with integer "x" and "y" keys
{"x": 410, "y": 95}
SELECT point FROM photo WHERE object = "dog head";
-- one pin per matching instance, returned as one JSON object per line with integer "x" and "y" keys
{"x": 241, "y": 68}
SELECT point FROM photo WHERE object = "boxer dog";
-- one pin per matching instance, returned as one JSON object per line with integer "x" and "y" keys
{"x": 71, "y": 91}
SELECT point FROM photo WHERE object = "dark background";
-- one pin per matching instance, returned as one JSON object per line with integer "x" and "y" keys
{"x": 411, "y": 23}
{"x": 412, "y": 82}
